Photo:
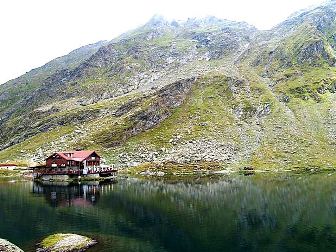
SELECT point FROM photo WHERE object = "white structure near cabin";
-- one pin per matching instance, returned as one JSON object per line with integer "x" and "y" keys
{"x": 8, "y": 166}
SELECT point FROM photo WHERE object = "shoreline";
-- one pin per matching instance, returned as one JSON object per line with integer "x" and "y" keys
{"x": 19, "y": 173}
{"x": 154, "y": 173}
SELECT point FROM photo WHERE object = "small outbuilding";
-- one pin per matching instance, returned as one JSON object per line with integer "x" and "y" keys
{"x": 8, "y": 166}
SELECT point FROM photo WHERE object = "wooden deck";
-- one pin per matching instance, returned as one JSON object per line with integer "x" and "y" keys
{"x": 38, "y": 172}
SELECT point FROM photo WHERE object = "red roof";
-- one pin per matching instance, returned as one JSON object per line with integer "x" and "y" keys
{"x": 75, "y": 155}
{"x": 5, "y": 165}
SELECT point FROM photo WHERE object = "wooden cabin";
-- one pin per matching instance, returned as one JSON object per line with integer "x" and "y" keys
{"x": 74, "y": 164}
{"x": 75, "y": 160}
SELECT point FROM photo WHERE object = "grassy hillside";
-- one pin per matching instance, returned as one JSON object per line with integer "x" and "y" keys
{"x": 218, "y": 121}
{"x": 204, "y": 91}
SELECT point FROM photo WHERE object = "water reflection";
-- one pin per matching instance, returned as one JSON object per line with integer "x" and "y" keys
{"x": 237, "y": 213}
{"x": 59, "y": 194}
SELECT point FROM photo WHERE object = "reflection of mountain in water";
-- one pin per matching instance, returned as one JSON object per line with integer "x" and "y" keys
{"x": 66, "y": 195}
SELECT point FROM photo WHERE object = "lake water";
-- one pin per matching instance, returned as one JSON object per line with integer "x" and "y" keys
{"x": 238, "y": 213}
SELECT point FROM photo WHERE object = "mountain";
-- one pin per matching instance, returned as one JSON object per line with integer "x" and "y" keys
{"x": 205, "y": 91}
{"x": 12, "y": 92}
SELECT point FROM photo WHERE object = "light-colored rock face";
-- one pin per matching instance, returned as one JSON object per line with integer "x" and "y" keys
{"x": 6, "y": 246}
{"x": 65, "y": 243}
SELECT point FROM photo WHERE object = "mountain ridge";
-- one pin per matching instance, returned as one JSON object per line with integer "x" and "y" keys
{"x": 205, "y": 90}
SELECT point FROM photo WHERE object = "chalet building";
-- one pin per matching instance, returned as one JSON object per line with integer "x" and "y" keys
{"x": 76, "y": 160}
{"x": 70, "y": 165}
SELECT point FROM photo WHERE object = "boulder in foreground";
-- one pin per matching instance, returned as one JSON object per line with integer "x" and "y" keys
{"x": 65, "y": 243}
{"x": 6, "y": 246}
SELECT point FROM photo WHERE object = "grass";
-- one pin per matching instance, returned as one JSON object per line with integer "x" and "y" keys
{"x": 52, "y": 240}
{"x": 19, "y": 153}
{"x": 208, "y": 112}
{"x": 287, "y": 140}
{"x": 206, "y": 104}
{"x": 293, "y": 134}
{"x": 177, "y": 169}
{"x": 311, "y": 83}
{"x": 9, "y": 173}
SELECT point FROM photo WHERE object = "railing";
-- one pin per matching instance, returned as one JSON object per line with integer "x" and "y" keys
{"x": 49, "y": 171}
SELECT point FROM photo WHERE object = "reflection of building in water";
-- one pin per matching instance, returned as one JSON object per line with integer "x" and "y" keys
{"x": 65, "y": 195}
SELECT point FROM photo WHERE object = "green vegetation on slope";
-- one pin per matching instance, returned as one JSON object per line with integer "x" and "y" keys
{"x": 205, "y": 90}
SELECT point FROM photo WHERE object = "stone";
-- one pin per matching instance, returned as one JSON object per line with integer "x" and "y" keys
{"x": 160, "y": 173}
{"x": 6, "y": 246}
{"x": 65, "y": 243}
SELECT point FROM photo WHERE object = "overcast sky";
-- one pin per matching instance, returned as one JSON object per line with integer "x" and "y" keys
{"x": 34, "y": 32}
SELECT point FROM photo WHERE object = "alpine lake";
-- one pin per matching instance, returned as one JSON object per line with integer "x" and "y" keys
{"x": 263, "y": 212}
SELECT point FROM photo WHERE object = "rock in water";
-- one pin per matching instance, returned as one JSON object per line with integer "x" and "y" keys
{"x": 6, "y": 246}
{"x": 65, "y": 243}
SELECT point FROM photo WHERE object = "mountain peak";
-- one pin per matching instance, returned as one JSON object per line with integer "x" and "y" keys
{"x": 157, "y": 21}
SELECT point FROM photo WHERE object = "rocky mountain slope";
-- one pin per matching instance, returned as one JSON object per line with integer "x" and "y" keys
{"x": 202, "y": 90}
